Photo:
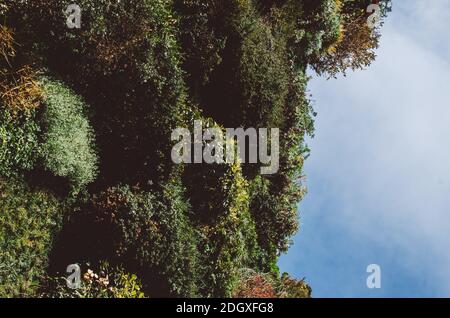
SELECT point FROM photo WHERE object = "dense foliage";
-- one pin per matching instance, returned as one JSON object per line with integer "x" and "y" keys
{"x": 67, "y": 146}
{"x": 29, "y": 221}
{"x": 106, "y": 282}
{"x": 86, "y": 117}
{"x": 257, "y": 285}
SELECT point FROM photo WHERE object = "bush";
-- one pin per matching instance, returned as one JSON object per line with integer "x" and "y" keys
{"x": 259, "y": 285}
{"x": 19, "y": 141}
{"x": 293, "y": 288}
{"x": 147, "y": 233}
{"x": 227, "y": 231}
{"x": 19, "y": 99}
{"x": 201, "y": 42}
{"x": 311, "y": 28}
{"x": 254, "y": 285}
{"x": 228, "y": 242}
{"x": 19, "y": 89}
{"x": 106, "y": 283}
{"x": 357, "y": 43}
{"x": 7, "y": 47}
{"x": 274, "y": 199}
{"x": 29, "y": 220}
{"x": 68, "y": 139}
{"x": 233, "y": 87}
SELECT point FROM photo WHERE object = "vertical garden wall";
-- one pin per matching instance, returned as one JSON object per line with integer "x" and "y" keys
{"x": 86, "y": 116}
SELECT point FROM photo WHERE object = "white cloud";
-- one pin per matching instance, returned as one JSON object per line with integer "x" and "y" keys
{"x": 383, "y": 143}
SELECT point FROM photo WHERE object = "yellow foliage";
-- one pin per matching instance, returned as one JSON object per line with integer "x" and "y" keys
{"x": 333, "y": 48}
{"x": 19, "y": 89}
{"x": 341, "y": 32}
{"x": 22, "y": 91}
{"x": 6, "y": 42}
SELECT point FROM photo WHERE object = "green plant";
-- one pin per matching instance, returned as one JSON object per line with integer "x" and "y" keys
{"x": 357, "y": 42}
{"x": 19, "y": 141}
{"x": 97, "y": 126}
{"x": 148, "y": 233}
{"x": 68, "y": 139}
{"x": 262, "y": 285}
{"x": 107, "y": 282}
{"x": 226, "y": 229}
{"x": 29, "y": 221}
{"x": 254, "y": 285}
{"x": 289, "y": 287}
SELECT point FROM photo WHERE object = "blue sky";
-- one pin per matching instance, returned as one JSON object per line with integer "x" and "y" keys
{"x": 379, "y": 173}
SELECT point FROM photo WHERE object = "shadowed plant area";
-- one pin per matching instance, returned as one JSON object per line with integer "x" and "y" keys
{"x": 86, "y": 116}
